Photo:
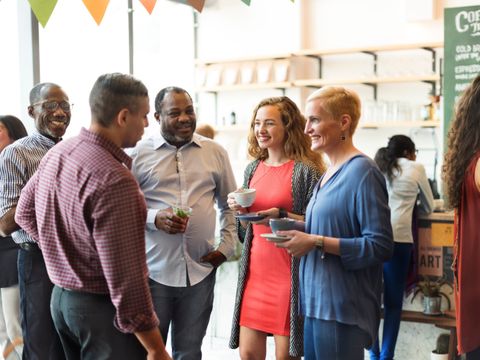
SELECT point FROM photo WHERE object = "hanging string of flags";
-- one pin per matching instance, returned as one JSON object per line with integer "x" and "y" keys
{"x": 44, "y": 8}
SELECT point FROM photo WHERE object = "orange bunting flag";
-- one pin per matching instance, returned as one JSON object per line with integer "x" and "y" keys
{"x": 42, "y": 9}
{"x": 96, "y": 8}
{"x": 197, "y": 4}
{"x": 149, "y": 5}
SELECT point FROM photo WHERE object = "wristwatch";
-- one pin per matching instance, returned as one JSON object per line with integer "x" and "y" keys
{"x": 282, "y": 213}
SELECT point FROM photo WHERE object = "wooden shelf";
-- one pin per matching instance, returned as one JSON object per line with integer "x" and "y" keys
{"x": 432, "y": 78}
{"x": 367, "y": 80}
{"x": 207, "y": 62}
{"x": 254, "y": 86}
{"x": 392, "y": 124}
{"x": 369, "y": 49}
{"x": 322, "y": 52}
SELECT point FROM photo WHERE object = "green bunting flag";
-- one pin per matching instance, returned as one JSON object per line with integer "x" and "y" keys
{"x": 42, "y": 9}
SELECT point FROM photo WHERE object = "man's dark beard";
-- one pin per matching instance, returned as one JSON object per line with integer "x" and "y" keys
{"x": 173, "y": 140}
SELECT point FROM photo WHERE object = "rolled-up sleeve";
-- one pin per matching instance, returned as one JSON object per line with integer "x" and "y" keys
{"x": 225, "y": 185}
{"x": 12, "y": 179}
{"x": 25, "y": 212}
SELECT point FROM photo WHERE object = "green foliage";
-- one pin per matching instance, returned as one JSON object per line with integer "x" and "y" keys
{"x": 443, "y": 341}
{"x": 181, "y": 213}
{"x": 431, "y": 287}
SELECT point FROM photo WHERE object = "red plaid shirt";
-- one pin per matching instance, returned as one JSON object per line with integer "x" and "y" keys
{"x": 86, "y": 211}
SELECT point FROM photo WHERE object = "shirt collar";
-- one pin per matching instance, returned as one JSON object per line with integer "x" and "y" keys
{"x": 43, "y": 139}
{"x": 108, "y": 145}
{"x": 159, "y": 141}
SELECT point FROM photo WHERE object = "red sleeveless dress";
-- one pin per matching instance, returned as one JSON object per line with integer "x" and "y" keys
{"x": 467, "y": 260}
{"x": 266, "y": 300}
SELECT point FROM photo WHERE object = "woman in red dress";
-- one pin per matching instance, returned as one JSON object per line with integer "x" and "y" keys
{"x": 461, "y": 174}
{"x": 284, "y": 173}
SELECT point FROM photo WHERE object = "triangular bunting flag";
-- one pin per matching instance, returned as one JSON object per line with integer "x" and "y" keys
{"x": 197, "y": 4}
{"x": 42, "y": 9}
{"x": 247, "y": 2}
{"x": 96, "y": 8}
{"x": 149, "y": 5}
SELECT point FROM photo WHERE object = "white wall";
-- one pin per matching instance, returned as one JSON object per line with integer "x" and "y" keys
{"x": 9, "y": 70}
{"x": 74, "y": 51}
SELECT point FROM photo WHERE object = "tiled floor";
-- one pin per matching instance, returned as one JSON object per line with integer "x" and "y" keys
{"x": 215, "y": 348}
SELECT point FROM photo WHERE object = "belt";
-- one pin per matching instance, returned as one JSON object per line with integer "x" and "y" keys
{"x": 29, "y": 246}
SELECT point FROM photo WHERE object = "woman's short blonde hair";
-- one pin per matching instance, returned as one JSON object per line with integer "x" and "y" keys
{"x": 338, "y": 101}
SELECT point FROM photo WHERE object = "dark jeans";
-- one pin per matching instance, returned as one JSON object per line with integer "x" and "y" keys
{"x": 331, "y": 340}
{"x": 394, "y": 280}
{"x": 85, "y": 324}
{"x": 188, "y": 310}
{"x": 41, "y": 341}
{"x": 473, "y": 355}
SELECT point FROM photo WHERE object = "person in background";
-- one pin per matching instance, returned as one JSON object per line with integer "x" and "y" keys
{"x": 205, "y": 130}
{"x": 51, "y": 110}
{"x": 347, "y": 235}
{"x": 461, "y": 174}
{"x": 11, "y": 341}
{"x": 406, "y": 182}
{"x": 284, "y": 172}
{"x": 178, "y": 167}
{"x": 90, "y": 226}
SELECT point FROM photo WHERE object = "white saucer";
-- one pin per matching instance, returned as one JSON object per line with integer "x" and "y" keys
{"x": 275, "y": 238}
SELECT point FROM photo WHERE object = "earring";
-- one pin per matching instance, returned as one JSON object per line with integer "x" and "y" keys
{"x": 342, "y": 138}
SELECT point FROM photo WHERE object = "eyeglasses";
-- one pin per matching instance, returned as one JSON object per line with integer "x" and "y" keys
{"x": 52, "y": 106}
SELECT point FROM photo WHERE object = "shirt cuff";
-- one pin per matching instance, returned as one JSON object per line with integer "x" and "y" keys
{"x": 140, "y": 322}
{"x": 151, "y": 214}
{"x": 226, "y": 250}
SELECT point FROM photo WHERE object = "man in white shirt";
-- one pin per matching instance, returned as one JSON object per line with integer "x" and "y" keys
{"x": 179, "y": 167}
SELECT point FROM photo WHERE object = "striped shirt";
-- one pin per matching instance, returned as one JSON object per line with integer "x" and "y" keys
{"x": 88, "y": 214}
{"x": 18, "y": 162}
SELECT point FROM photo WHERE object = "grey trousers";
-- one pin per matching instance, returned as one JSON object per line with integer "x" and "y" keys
{"x": 85, "y": 324}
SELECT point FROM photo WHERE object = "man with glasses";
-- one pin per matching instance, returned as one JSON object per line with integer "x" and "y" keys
{"x": 50, "y": 109}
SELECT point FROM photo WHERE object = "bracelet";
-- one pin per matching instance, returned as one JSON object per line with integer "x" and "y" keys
{"x": 282, "y": 213}
{"x": 319, "y": 244}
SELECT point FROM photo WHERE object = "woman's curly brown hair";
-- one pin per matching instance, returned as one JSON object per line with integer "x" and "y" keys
{"x": 463, "y": 142}
{"x": 297, "y": 144}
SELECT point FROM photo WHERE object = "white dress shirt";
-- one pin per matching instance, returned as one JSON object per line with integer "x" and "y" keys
{"x": 194, "y": 175}
{"x": 408, "y": 184}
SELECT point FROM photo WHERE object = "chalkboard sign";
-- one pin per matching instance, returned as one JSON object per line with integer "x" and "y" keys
{"x": 462, "y": 55}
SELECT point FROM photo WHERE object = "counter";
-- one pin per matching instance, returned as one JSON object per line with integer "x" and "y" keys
{"x": 438, "y": 216}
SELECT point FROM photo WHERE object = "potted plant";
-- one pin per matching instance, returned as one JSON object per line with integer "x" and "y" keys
{"x": 441, "y": 351}
{"x": 432, "y": 294}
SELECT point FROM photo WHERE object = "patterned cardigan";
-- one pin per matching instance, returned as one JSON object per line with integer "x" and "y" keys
{"x": 304, "y": 179}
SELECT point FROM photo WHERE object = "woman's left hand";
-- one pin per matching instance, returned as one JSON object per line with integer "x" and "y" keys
{"x": 271, "y": 213}
{"x": 299, "y": 244}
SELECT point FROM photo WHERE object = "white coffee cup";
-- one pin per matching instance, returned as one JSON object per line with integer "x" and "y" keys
{"x": 245, "y": 197}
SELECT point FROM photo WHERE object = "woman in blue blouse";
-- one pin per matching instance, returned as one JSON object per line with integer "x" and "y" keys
{"x": 347, "y": 235}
